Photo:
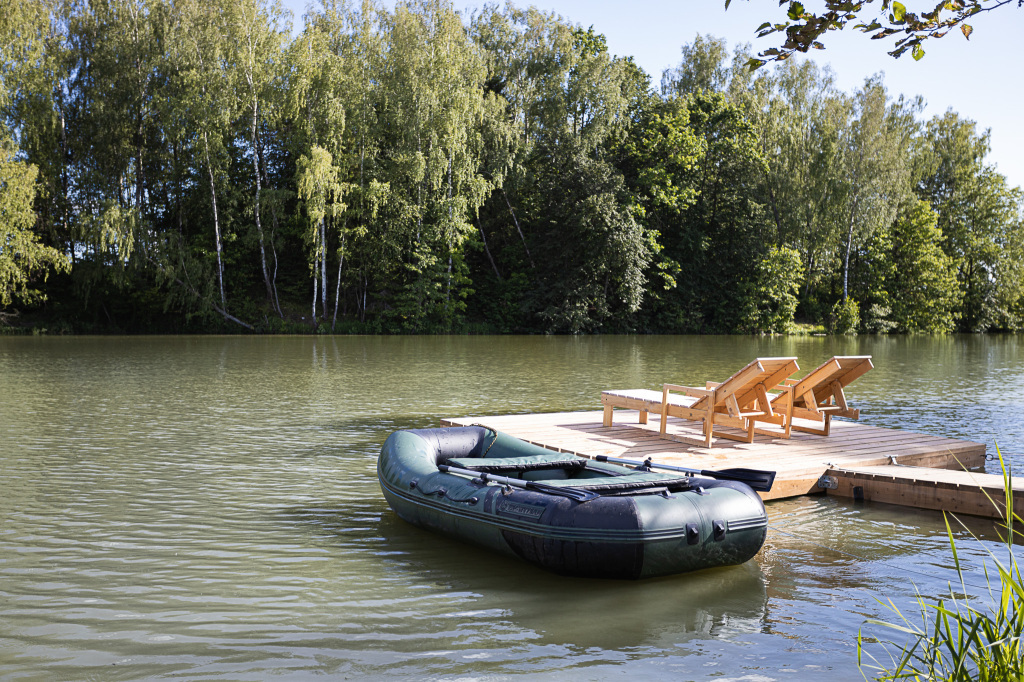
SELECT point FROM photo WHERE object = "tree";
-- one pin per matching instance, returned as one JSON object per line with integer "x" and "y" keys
{"x": 978, "y": 215}
{"x": 254, "y": 51}
{"x": 770, "y": 294}
{"x": 875, "y": 164}
{"x": 703, "y": 67}
{"x": 801, "y": 120}
{"x": 922, "y": 282}
{"x": 804, "y": 28}
{"x": 322, "y": 192}
{"x": 22, "y": 255}
{"x": 722, "y": 237}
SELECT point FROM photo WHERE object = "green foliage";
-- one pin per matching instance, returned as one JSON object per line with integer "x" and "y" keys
{"x": 958, "y": 639}
{"x": 978, "y": 216}
{"x": 22, "y": 255}
{"x": 922, "y": 273}
{"x": 805, "y": 28}
{"x": 771, "y": 294}
{"x": 195, "y": 166}
{"x": 702, "y": 68}
{"x": 845, "y": 317}
{"x": 877, "y": 319}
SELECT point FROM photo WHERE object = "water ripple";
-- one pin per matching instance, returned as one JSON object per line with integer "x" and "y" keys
{"x": 199, "y": 508}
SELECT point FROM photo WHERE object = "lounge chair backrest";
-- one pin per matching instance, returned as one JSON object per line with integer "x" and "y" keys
{"x": 841, "y": 369}
{"x": 766, "y": 372}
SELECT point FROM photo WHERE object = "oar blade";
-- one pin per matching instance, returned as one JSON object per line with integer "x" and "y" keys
{"x": 758, "y": 480}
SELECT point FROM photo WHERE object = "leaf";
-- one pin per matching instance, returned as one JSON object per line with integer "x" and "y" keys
{"x": 898, "y": 12}
{"x": 967, "y": 30}
{"x": 796, "y": 10}
{"x": 917, "y": 53}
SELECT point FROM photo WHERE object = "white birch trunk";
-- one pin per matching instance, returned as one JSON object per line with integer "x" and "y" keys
{"x": 216, "y": 224}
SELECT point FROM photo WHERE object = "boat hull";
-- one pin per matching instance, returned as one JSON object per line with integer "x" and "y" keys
{"x": 629, "y": 536}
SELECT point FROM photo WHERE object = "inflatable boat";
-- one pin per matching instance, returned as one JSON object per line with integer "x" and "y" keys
{"x": 569, "y": 514}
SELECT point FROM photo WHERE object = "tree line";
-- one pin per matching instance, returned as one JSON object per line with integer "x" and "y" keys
{"x": 190, "y": 165}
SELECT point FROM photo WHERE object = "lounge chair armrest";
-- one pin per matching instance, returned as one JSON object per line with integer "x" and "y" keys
{"x": 687, "y": 390}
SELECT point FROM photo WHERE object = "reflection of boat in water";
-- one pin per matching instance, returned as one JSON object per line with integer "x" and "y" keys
{"x": 565, "y": 513}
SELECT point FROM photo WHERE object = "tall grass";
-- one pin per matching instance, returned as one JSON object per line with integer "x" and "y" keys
{"x": 959, "y": 638}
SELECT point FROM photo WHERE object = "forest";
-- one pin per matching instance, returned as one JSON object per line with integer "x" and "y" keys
{"x": 196, "y": 166}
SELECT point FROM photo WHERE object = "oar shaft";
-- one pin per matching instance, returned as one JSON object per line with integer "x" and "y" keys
{"x": 755, "y": 478}
{"x": 648, "y": 463}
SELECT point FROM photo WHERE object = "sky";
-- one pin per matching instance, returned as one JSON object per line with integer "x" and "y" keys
{"x": 980, "y": 79}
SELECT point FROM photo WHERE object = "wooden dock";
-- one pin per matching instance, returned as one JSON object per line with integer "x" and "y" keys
{"x": 856, "y": 460}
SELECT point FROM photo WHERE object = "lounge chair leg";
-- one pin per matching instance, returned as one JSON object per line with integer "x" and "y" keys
{"x": 643, "y": 416}
{"x": 607, "y": 415}
{"x": 789, "y": 413}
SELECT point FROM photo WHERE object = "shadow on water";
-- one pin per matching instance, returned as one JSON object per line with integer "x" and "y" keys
{"x": 544, "y": 607}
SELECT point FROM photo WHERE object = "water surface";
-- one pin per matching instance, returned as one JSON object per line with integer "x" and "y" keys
{"x": 207, "y": 508}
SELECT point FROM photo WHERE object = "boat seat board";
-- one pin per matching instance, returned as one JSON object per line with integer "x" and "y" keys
{"x": 531, "y": 463}
{"x": 634, "y": 481}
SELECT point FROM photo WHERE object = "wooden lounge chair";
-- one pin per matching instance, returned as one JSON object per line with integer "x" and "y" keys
{"x": 819, "y": 395}
{"x": 641, "y": 399}
{"x": 741, "y": 401}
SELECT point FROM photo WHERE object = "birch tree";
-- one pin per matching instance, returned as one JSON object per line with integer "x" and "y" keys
{"x": 432, "y": 104}
{"x": 322, "y": 192}
{"x": 876, "y": 165}
{"x": 255, "y": 39}
{"x": 201, "y": 126}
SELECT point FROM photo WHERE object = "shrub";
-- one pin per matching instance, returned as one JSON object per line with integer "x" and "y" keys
{"x": 845, "y": 317}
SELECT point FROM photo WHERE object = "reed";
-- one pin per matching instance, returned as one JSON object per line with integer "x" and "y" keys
{"x": 960, "y": 639}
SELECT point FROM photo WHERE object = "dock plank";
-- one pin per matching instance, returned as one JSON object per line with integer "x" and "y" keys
{"x": 799, "y": 461}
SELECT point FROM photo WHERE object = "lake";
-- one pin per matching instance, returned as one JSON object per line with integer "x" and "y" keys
{"x": 208, "y": 508}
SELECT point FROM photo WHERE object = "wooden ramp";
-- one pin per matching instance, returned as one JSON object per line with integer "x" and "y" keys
{"x": 801, "y": 462}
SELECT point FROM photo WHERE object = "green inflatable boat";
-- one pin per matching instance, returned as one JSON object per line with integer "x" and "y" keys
{"x": 568, "y": 514}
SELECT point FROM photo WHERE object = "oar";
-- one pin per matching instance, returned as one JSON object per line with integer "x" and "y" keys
{"x": 572, "y": 493}
{"x": 755, "y": 478}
